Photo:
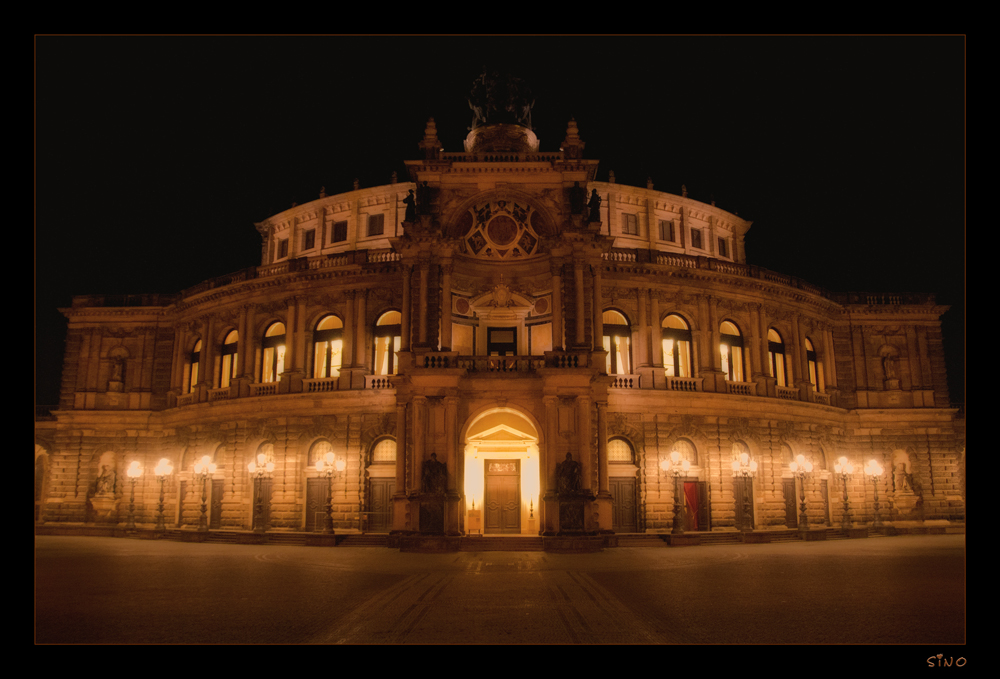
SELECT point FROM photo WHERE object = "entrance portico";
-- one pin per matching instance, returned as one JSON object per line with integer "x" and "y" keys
{"x": 502, "y": 472}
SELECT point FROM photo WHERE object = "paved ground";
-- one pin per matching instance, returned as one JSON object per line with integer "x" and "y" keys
{"x": 901, "y": 590}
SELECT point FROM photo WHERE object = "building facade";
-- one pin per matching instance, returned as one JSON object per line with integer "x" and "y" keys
{"x": 502, "y": 345}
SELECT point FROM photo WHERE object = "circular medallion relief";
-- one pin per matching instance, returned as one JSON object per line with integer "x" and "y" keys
{"x": 462, "y": 306}
{"x": 502, "y": 230}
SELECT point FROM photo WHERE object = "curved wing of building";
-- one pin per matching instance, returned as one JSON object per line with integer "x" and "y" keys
{"x": 503, "y": 345}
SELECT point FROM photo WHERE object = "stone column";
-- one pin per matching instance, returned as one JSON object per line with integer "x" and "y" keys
{"x": 557, "y": 308}
{"x": 549, "y": 510}
{"x": 580, "y": 336}
{"x": 206, "y": 376}
{"x": 243, "y": 342}
{"x": 655, "y": 332}
{"x": 605, "y": 503}
{"x": 404, "y": 340}
{"x": 179, "y": 361}
{"x": 422, "y": 301}
{"x": 598, "y": 314}
{"x": 602, "y": 448}
{"x": 583, "y": 441}
{"x": 642, "y": 343}
{"x": 401, "y": 449}
{"x": 829, "y": 362}
{"x": 349, "y": 332}
{"x": 418, "y": 440}
{"x": 361, "y": 322}
{"x": 446, "y": 306}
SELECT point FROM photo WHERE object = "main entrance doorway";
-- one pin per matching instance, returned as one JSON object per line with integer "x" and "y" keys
{"x": 502, "y": 473}
{"x": 502, "y": 496}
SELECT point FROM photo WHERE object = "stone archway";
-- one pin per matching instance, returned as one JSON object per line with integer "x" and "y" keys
{"x": 502, "y": 473}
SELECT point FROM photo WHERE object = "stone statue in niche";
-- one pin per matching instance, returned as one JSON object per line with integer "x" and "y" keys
{"x": 105, "y": 483}
{"x": 595, "y": 206}
{"x": 568, "y": 476}
{"x": 434, "y": 479}
{"x": 902, "y": 479}
{"x": 889, "y": 366}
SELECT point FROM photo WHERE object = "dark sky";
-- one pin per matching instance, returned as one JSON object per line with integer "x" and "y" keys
{"x": 154, "y": 156}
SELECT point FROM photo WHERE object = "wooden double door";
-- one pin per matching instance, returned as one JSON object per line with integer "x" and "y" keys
{"x": 502, "y": 501}
{"x": 380, "y": 495}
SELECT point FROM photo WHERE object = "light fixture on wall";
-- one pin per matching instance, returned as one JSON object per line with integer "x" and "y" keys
{"x": 800, "y": 467}
{"x": 745, "y": 467}
{"x": 845, "y": 468}
{"x": 204, "y": 468}
{"x": 874, "y": 471}
{"x": 162, "y": 470}
{"x": 133, "y": 472}
{"x": 675, "y": 467}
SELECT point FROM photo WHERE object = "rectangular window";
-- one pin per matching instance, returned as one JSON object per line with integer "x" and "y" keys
{"x": 667, "y": 230}
{"x": 630, "y": 225}
{"x": 339, "y": 232}
{"x": 376, "y": 225}
{"x": 696, "y": 238}
{"x": 310, "y": 240}
{"x": 282, "y": 248}
{"x": 722, "y": 248}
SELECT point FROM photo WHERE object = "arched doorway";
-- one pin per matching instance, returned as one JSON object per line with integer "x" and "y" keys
{"x": 502, "y": 473}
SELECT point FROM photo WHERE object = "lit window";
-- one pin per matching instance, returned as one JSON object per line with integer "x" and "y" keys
{"x": 388, "y": 331}
{"x": 384, "y": 451}
{"x": 328, "y": 347}
{"x": 696, "y": 238}
{"x": 274, "y": 353}
{"x": 667, "y": 230}
{"x": 229, "y": 361}
{"x": 731, "y": 347}
{"x": 617, "y": 343}
{"x": 376, "y": 225}
{"x": 686, "y": 450}
{"x": 676, "y": 340}
{"x": 339, "y": 232}
{"x": 815, "y": 367}
{"x": 630, "y": 225}
{"x": 192, "y": 376}
{"x": 776, "y": 357}
{"x": 619, "y": 450}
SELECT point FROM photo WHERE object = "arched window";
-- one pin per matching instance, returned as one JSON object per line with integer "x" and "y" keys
{"x": 620, "y": 450}
{"x": 731, "y": 348}
{"x": 328, "y": 347}
{"x": 776, "y": 357}
{"x": 815, "y": 367}
{"x": 274, "y": 353}
{"x": 228, "y": 355}
{"x": 192, "y": 373}
{"x": 617, "y": 343}
{"x": 318, "y": 451}
{"x": 687, "y": 451}
{"x": 676, "y": 339}
{"x": 388, "y": 331}
{"x": 384, "y": 451}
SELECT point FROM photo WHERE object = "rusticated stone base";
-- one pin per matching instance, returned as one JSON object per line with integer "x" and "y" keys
{"x": 681, "y": 540}
{"x": 429, "y": 544}
{"x": 755, "y": 537}
{"x": 573, "y": 544}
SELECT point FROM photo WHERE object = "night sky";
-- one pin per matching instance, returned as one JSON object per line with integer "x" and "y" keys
{"x": 154, "y": 156}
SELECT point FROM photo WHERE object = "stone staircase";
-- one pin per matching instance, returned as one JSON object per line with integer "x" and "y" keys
{"x": 505, "y": 543}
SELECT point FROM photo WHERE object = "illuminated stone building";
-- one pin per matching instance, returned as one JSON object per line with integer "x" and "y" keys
{"x": 545, "y": 339}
